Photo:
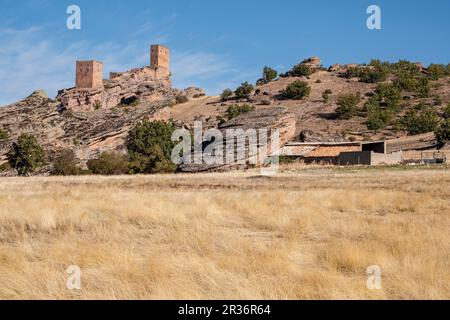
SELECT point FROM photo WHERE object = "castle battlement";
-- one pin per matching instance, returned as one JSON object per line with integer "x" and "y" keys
{"x": 145, "y": 84}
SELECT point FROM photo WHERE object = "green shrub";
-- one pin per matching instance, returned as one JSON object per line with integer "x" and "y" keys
{"x": 236, "y": 110}
{"x": 424, "y": 88}
{"x": 405, "y": 67}
{"x": 109, "y": 163}
{"x": 347, "y": 105}
{"x": 5, "y": 167}
{"x": 302, "y": 70}
{"x": 438, "y": 101}
{"x": 424, "y": 122}
{"x": 443, "y": 132}
{"x": 3, "y": 135}
{"x": 296, "y": 90}
{"x": 244, "y": 90}
{"x": 226, "y": 94}
{"x": 376, "y": 71}
{"x": 407, "y": 82}
{"x": 269, "y": 74}
{"x": 447, "y": 112}
{"x": 97, "y": 105}
{"x": 150, "y": 147}
{"x": 179, "y": 99}
{"x": 26, "y": 155}
{"x": 374, "y": 75}
{"x": 388, "y": 95}
{"x": 378, "y": 119}
{"x": 436, "y": 71}
{"x": 326, "y": 95}
{"x": 65, "y": 164}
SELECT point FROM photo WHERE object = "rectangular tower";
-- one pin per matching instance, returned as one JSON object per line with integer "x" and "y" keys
{"x": 160, "y": 57}
{"x": 89, "y": 74}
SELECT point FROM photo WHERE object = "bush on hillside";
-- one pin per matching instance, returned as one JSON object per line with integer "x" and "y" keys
{"x": 226, "y": 94}
{"x": 269, "y": 74}
{"x": 179, "y": 99}
{"x": 3, "y": 135}
{"x": 347, "y": 105}
{"x": 65, "y": 164}
{"x": 244, "y": 90}
{"x": 378, "y": 119}
{"x": 297, "y": 90}
{"x": 424, "y": 88}
{"x": 150, "y": 147}
{"x": 109, "y": 163}
{"x": 326, "y": 95}
{"x": 26, "y": 155}
{"x": 417, "y": 123}
{"x": 388, "y": 95}
{"x": 436, "y": 71}
{"x": 447, "y": 112}
{"x": 236, "y": 110}
{"x": 302, "y": 70}
{"x": 443, "y": 132}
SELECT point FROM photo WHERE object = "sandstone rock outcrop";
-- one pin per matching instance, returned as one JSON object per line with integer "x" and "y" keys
{"x": 277, "y": 118}
{"x": 311, "y": 136}
{"x": 88, "y": 134}
{"x": 145, "y": 84}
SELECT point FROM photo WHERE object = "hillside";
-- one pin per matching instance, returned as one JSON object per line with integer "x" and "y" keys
{"x": 402, "y": 98}
{"x": 315, "y": 115}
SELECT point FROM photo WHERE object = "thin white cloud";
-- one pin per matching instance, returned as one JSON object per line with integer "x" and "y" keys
{"x": 30, "y": 61}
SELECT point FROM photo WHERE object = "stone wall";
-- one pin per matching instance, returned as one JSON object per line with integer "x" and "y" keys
{"x": 146, "y": 84}
{"x": 159, "y": 57}
{"x": 89, "y": 74}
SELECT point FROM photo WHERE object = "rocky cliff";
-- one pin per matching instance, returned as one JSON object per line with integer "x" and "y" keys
{"x": 87, "y": 133}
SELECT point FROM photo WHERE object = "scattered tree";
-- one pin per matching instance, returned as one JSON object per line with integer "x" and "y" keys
{"x": 443, "y": 132}
{"x": 150, "y": 147}
{"x": 347, "y": 105}
{"x": 244, "y": 90}
{"x": 297, "y": 90}
{"x": 436, "y": 71}
{"x": 302, "y": 70}
{"x": 269, "y": 74}
{"x": 26, "y": 155}
{"x": 226, "y": 94}
{"x": 378, "y": 119}
{"x": 424, "y": 122}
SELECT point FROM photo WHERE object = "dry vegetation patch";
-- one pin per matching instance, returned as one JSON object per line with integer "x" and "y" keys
{"x": 299, "y": 235}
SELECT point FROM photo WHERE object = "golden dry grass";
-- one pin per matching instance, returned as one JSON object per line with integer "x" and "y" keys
{"x": 299, "y": 235}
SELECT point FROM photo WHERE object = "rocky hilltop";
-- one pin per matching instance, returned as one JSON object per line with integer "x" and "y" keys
{"x": 391, "y": 92}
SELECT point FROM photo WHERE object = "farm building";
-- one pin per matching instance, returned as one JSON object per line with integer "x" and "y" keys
{"x": 414, "y": 149}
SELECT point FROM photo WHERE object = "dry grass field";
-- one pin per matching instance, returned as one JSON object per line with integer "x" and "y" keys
{"x": 308, "y": 234}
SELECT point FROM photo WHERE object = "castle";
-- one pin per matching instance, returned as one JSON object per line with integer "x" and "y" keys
{"x": 91, "y": 91}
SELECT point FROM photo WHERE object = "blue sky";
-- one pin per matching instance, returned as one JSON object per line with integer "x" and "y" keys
{"x": 215, "y": 44}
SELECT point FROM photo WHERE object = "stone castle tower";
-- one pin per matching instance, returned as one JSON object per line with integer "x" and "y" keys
{"x": 146, "y": 84}
{"x": 159, "y": 57}
{"x": 89, "y": 74}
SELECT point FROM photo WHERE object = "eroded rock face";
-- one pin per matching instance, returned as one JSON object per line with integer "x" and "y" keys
{"x": 311, "y": 136}
{"x": 145, "y": 84}
{"x": 277, "y": 118}
{"x": 313, "y": 62}
{"x": 193, "y": 93}
{"x": 88, "y": 134}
